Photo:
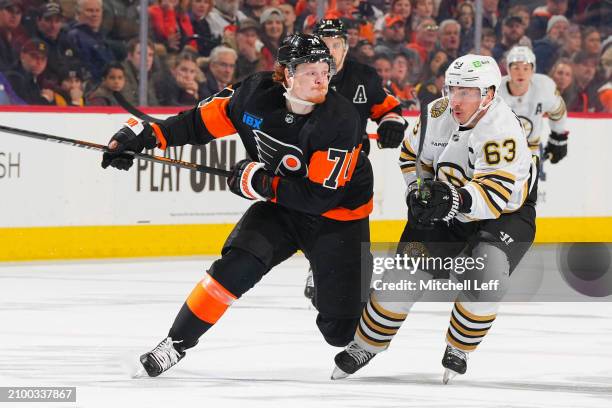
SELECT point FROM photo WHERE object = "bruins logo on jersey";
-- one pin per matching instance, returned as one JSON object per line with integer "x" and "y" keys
{"x": 527, "y": 125}
{"x": 439, "y": 107}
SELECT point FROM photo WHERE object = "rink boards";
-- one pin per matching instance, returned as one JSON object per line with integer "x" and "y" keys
{"x": 58, "y": 203}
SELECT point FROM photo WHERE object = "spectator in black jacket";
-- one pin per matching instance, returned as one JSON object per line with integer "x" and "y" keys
{"x": 220, "y": 70}
{"x": 548, "y": 49}
{"x": 205, "y": 40}
{"x": 26, "y": 79}
{"x": 61, "y": 54}
{"x": 12, "y": 35}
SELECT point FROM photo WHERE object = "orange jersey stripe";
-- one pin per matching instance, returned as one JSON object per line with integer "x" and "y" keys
{"x": 344, "y": 214}
{"x": 214, "y": 116}
{"x": 209, "y": 300}
{"x": 379, "y": 110}
{"x": 161, "y": 139}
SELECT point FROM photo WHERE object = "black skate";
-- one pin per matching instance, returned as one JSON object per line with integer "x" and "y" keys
{"x": 454, "y": 362}
{"x": 309, "y": 289}
{"x": 161, "y": 358}
{"x": 350, "y": 360}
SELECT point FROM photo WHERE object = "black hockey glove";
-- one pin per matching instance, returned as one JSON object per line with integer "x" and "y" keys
{"x": 436, "y": 201}
{"x": 556, "y": 146}
{"x": 250, "y": 180}
{"x": 134, "y": 136}
{"x": 391, "y": 131}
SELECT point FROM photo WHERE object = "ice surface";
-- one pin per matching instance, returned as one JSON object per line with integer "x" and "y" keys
{"x": 72, "y": 324}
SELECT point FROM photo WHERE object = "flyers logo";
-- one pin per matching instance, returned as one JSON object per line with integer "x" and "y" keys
{"x": 225, "y": 93}
{"x": 281, "y": 158}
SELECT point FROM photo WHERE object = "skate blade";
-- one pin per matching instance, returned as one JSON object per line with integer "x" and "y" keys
{"x": 448, "y": 375}
{"x": 132, "y": 367}
{"x": 338, "y": 374}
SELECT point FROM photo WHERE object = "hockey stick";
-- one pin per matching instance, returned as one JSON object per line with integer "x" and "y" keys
{"x": 132, "y": 109}
{"x": 101, "y": 148}
{"x": 419, "y": 168}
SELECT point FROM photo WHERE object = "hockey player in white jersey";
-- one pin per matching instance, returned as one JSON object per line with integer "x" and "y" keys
{"x": 531, "y": 96}
{"x": 477, "y": 199}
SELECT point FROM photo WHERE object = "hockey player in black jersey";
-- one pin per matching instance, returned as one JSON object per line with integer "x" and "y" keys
{"x": 361, "y": 85}
{"x": 311, "y": 186}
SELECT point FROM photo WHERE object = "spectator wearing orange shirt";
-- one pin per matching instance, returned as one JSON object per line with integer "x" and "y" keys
{"x": 171, "y": 25}
{"x": 425, "y": 39}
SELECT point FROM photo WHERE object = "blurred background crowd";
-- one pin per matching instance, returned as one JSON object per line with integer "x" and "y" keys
{"x": 78, "y": 52}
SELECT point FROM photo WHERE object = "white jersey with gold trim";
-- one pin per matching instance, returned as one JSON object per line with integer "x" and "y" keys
{"x": 541, "y": 98}
{"x": 491, "y": 161}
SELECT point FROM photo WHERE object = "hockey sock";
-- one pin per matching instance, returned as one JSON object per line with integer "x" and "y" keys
{"x": 204, "y": 306}
{"x": 467, "y": 329}
{"x": 377, "y": 326}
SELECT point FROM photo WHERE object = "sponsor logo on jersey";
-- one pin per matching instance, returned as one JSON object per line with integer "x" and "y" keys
{"x": 360, "y": 95}
{"x": 439, "y": 144}
{"x": 278, "y": 157}
{"x": 251, "y": 120}
{"x": 439, "y": 107}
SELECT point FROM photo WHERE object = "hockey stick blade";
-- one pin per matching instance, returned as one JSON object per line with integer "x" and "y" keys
{"x": 132, "y": 109}
{"x": 102, "y": 148}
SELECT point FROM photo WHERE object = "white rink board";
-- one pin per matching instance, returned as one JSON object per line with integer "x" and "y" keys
{"x": 46, "y": 184}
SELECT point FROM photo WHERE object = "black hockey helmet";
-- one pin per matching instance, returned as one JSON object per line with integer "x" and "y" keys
{"x": 304, "y": 48}
{"x": 330, "y": 27}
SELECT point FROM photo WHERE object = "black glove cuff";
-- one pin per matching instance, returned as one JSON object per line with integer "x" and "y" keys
{"x": 558, "y": 137}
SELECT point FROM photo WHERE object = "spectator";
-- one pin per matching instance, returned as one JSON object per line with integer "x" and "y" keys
{"x": 131, "y": 68}
{"x": 465, "y": 16}
{"x": 425, "y": 39}
{"x": 512, "y": 31}
{"x": 25, "y": 79}
{"x": 113, "y": 80}
{"x": 572, "y": 42}
{"x": 343, "y": 9}
{"x": 402, "y": 65}
{"x": 605, "y": 91}
{"x": 171, "y": 26}
{"x": 398, "y": 8}
{"x": 306, "y": 11}
{"x": 61, "y": 54}
{"x": 421, "y": 10}
{"x": 70, "y": 91}
{"x": 563, "y": 75}
{"x": 488, "y": 40}
{"x": 11, "y": 35}
{"x": 591, "y": 41}
{"x": 184, "y": 88}
{"x": 450, "y": 33}
{"x": 522, "y": 12}
{"x": 120, "y": 19}
{"x": 583, "y": 90}
{"x": 205, "y": 40}
{"x": 352, "y": 34}
{"x": 393, "y": 35}
{"x": 364, "y": 52}
{"x": 431, "y": 89}
{"x": 538, "y": 27}
{"x": 220, "y": 70}
{"x": 384, "y": 68}
{"x": 547, "y": 49}
{"x": 7, "y": 94}
{"x": 86, "y": 38}
{"x": 253, "y": 8}
{"x": 273, "y": 32}
{"x": 490, "y": 15}
{"x": 290, "y": 17}
{"x": 225, "y": 13}
{"x": 438, "y": 59}
{"x": 247, "y": 44}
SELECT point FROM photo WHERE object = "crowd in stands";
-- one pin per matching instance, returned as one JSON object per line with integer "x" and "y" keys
{"x": 78, "y": 52}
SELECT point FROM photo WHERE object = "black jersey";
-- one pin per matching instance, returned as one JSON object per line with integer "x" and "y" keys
{"x": 361, "y": 85}
{"x": 315, "y": 158}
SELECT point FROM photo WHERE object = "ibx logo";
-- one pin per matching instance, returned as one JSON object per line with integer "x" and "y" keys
{"x": 252, "y": 120}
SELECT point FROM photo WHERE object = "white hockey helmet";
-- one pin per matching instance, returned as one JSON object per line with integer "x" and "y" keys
{"x": 521, "y": 53}
{"x": 475, "y": 71}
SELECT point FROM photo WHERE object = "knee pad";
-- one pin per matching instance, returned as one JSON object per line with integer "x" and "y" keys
{"x": 238, "y": 271}
{"x": 496, "y": 271}
{"x": 337, "y": 332}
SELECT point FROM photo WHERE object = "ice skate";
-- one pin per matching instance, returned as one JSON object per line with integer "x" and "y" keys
{"x": 162, "y": 357}
{"x": 454, "y": 362}
{"x": 350, "y": 360}
{"x": 309, "y": 288}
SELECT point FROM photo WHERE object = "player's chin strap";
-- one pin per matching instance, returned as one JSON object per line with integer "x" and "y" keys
{"x": 293, "y": 99}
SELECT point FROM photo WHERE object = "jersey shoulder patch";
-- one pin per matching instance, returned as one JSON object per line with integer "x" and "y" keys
{"x": 438, "y": 107}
